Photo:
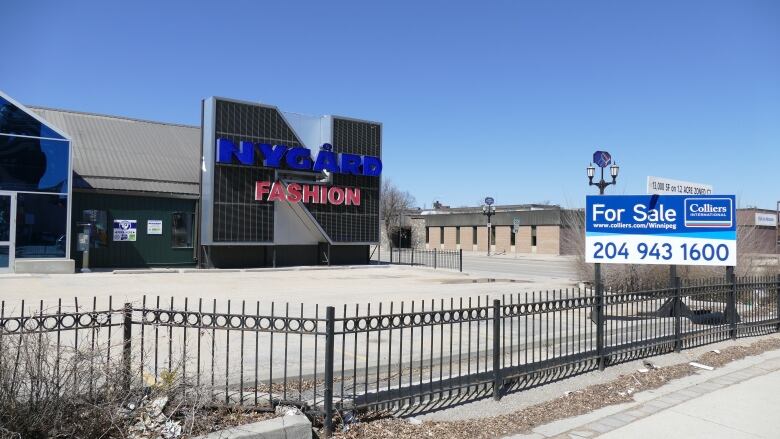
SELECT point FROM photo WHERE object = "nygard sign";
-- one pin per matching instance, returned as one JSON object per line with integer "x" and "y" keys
{"x": 307, "y": 193}
{"x": 297, "y": 158}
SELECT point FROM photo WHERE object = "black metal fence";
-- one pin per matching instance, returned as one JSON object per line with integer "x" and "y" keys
{"x": 435, "y": 258}
{"x": 409, "y": 356}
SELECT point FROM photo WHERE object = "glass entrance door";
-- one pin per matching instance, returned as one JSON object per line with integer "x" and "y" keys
{"x": 7, "y": 231}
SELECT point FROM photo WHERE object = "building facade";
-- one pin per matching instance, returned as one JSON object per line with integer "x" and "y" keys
{"x": 287, "y": 189}
{"x": 541, "y": 229}
{"x": 81, "y": 190}
{"x": 35, "y": 192}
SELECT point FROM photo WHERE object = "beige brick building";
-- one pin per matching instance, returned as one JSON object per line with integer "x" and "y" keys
{"x": 541, "y": 230}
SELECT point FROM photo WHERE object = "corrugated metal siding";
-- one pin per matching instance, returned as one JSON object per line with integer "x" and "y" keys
{"x": 127, "y": 154}
{"x": 147, "y": 250}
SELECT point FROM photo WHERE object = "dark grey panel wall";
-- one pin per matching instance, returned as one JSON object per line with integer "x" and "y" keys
{"x": 353, "y": 223}
{"x": 238, "y": 217}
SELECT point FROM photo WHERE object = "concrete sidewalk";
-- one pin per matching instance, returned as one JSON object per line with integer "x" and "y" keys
{"x": 739, "y": 400}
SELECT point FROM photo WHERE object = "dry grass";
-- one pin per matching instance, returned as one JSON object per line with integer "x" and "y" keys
{"x": 47, "y": 392}
{"x": 620, "y": 390}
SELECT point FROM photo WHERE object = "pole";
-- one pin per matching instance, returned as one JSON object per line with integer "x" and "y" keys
{"x": 777, "y": 297}
{"x": 461, "y": 270}
{"x": 127, "y": 326}
{"x": 488, "y": 233}
{"x": 330, "y": 325}
{"x": 498, "y": 380}
{"x": 600, "y": 319}
{"x": 731, "y": 305}
{"x": 435, "y": 263}
{"x": 676, "y": 310}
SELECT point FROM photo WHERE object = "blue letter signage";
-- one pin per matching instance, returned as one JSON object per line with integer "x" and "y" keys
{"x": 298, "y": 158}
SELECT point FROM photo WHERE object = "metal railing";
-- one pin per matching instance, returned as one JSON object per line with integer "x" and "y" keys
{"x": 435, "y": 258}
{"x": 409, "y": 356}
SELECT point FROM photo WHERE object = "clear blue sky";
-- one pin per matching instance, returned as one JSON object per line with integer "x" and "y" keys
{"x": 505, "y": 98}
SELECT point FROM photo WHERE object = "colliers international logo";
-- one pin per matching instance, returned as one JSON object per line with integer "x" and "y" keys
{"x": 709, "y": 212}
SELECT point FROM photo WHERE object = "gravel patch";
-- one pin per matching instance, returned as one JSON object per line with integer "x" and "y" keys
{"x": 578, "y": 402}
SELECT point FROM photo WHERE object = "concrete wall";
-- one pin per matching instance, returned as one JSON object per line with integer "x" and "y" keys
{"x": 482, "y": 239}
{"x": 434, "y": 235}
{"x": 503, "y": 239}
{"x": 418, "y": 232}
{"x": 523, "y": 240}
{"x": 548, "y": 240}
{"x": 450, "y": 238}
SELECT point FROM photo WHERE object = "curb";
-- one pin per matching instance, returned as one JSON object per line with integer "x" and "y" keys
{"x": 289, "y": 427}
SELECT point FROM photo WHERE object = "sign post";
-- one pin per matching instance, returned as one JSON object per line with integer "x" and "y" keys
{"x": 661, "y": 229}
{"x": 489, "y": 210}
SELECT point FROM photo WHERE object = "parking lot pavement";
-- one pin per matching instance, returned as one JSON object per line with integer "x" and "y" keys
{"x": 525, "y": 267}
{"x": 335, "y": 286}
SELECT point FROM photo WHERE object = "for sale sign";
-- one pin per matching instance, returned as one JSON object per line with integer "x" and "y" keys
{"x": 661, "y": 229}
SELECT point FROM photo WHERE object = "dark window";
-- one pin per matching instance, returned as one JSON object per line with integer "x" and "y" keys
{"x": 533, "y": 236}
{"x": 34, "y": 165}
{"x": 512, "y": 237}
{"x": 492, "y": 236}
{"x": 474, "y": 235}
{"x": 182, "y": 227}
{"x": 441, "y": 235}
{"x": 41, "y": 221}
{"x": 5, "y": 218}
{"x": 427, "y": 235}
{"x": 15, "y": 121}
{"x": 457, "y": 235}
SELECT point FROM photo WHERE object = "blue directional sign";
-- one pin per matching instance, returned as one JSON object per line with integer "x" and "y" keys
{"x": 489, "y": 201}
{"x": 602, "y": 159}
{"x": 661, "y": 229}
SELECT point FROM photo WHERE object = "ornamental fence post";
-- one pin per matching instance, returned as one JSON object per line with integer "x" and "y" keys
{"x": 498, "y": 380}
{"x": 602, "y": 360}
{"x": 731, "y": 304}
{"x": 677, "y": 310}
{"x": 434, "y": 258}
{"x": 127, "y": 326}
{"x": 330, "y": 325}
{"x": 460, "y": 261}
{"x": 777, "y": 297}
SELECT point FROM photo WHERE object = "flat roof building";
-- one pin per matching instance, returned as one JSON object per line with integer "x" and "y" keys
{"x": 521, "y": 228}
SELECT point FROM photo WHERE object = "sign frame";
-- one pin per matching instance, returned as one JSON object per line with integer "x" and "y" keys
{"x": 670, "y": 186}
{"x": 661, "y": 229}
{"x": 125, "y": 230}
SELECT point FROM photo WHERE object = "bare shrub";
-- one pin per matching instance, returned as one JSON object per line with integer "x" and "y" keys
{"x": 48, "y": 390}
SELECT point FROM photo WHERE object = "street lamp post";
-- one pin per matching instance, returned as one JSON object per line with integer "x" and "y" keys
{"x": 603, "y": 159}
{"x": 488, "y": 209}
{"x": 601, "y": 184}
